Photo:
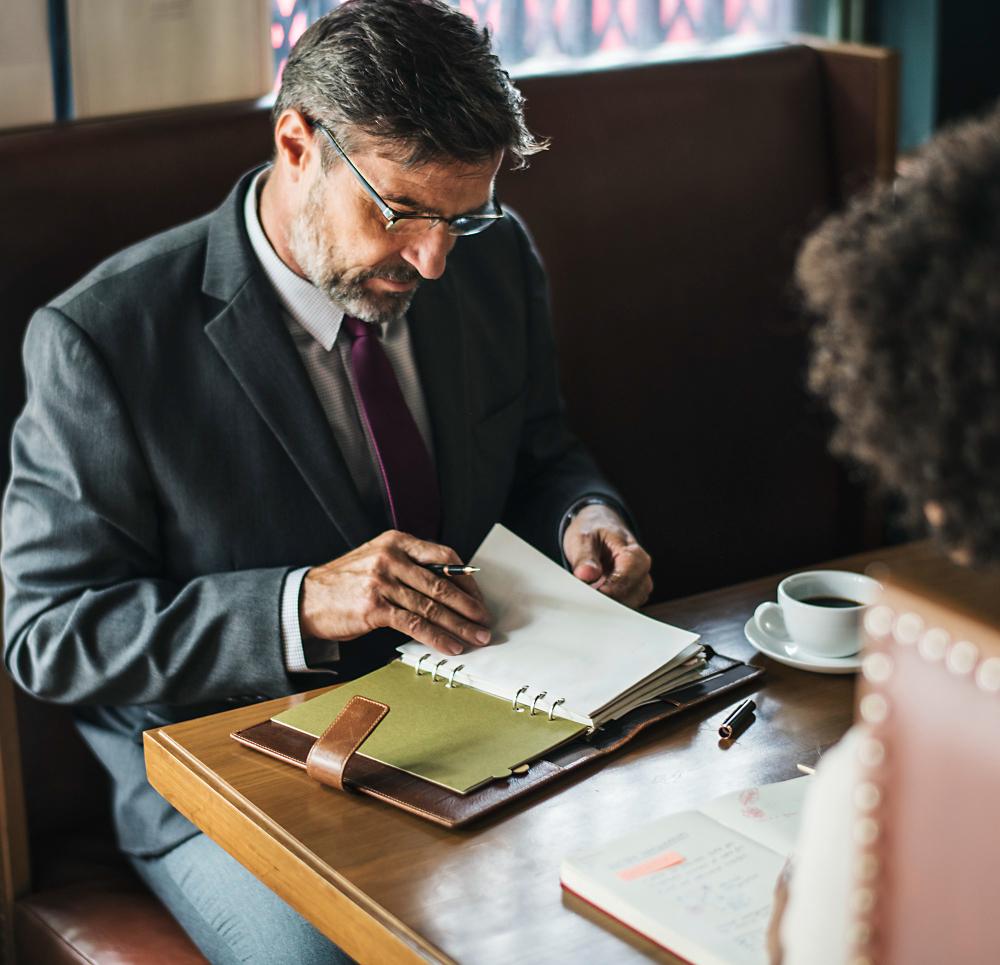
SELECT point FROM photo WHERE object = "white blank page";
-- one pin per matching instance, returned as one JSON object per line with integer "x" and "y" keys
{"x": 554, "y": 634}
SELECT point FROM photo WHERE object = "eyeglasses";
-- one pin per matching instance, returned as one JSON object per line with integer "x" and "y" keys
{"x": 403, "y": 221}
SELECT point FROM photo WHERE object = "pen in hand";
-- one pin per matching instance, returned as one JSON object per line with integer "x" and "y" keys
{"x": 450, "y": 569}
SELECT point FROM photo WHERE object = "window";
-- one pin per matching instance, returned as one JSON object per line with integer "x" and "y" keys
{"x": 533, "y": 36}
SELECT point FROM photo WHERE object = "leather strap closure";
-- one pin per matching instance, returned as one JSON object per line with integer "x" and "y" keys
{"x": 333, "y": 751}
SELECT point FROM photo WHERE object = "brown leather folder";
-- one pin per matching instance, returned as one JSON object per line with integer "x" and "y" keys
{"x": 333, "y": 758}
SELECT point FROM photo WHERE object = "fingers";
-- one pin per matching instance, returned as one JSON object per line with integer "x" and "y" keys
{"x": 625, "y": 575}
{"x": 422, "y": 630}
{"x": 602, "y": 552}
{"x": 468, "y": 584}
{"x": 433, "y": 624}
{"x": 450, "y": 613}
{"x": 583, "y": 553}
{"x": 423, "y": 551}
{"x": 445, "y": 590}
{"x": 381, "y": 584}
{"x": 634, "y": 596}
{"x": 629, "y": 581}
{"x": 588, "y": 570}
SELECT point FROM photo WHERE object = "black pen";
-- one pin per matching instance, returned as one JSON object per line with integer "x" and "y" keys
{"x": 451, "y": 569}
{"x": 737, "y": 718}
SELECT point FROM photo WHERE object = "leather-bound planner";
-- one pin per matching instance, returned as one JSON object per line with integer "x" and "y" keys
{"x": 570, "y": 675}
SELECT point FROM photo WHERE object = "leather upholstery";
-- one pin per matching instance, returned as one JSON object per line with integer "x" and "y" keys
{"x": 87, "y": 905}
{"x": 668, "y": 212}
{"x": 116, "y": 922}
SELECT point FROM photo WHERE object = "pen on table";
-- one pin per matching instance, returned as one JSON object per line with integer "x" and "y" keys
{"x": 451, "y": 569}
{"x": 737, "y": 718}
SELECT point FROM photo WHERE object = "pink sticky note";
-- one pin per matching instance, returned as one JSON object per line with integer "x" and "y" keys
{"x": 666, "y": 860}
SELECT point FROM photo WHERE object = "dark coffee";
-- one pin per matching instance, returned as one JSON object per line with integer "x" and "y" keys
{"x": 835, "y": 601}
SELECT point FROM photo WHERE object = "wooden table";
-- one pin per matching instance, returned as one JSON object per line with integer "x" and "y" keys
{"x": 387, "y": 886}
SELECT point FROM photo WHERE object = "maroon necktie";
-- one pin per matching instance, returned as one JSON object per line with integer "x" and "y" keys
{"x": 403, "y": 461}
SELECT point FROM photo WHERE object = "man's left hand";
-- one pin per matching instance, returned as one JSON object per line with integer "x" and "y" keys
{"x": 603, "y": 552}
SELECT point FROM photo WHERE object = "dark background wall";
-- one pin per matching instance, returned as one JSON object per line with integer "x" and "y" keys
{"x": 968, "y": 60}
{"x": 950, "y": 64}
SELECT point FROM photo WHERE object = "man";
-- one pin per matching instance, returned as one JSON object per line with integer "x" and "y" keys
{"x": 243, "y": 437}
{"x": 907, "y": 354}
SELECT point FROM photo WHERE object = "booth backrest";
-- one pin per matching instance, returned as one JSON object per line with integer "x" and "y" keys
{"x": 72, "y": 194}
{"x": 668, "y": 212}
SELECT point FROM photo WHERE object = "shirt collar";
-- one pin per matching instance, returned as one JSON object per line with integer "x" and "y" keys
{"x": 315, "y": 311}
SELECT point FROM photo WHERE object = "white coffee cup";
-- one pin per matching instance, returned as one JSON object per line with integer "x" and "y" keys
{"x": 807, "y": 616}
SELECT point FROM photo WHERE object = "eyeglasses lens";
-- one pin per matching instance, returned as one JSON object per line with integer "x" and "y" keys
{"x": 459, "y": 227}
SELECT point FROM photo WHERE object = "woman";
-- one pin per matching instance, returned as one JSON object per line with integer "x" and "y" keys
{"x": 907, "y": 354}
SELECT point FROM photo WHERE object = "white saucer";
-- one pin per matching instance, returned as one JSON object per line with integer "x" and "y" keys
{"x": 786, "y": 652}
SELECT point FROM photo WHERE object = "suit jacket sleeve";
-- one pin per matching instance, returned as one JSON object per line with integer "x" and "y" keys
{"x": 90, "y": 616}
{"x": 553, "y": 469}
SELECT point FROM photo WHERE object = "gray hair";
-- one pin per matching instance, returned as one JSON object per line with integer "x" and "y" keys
{"x": 414, "y": 73}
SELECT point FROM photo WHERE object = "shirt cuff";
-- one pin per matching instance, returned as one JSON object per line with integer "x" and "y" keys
{"x": 291, "y": 632}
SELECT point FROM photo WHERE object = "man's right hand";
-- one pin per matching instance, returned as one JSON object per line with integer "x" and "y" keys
{"x": 383, "y": 584}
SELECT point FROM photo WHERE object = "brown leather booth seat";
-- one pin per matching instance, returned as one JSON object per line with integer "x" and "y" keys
{"x": 104, "y": 916}
{"x": 85, "y": 904}
{"x": 668, "y": 212}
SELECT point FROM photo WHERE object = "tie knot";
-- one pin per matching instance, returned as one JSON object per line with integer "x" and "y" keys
{"x": 358, "y": 328}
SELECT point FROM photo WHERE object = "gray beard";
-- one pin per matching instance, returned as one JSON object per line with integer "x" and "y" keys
{"x": 306, "y": 244}
{"x": 381, "y": 308}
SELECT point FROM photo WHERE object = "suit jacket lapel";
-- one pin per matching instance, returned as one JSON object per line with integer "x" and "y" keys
{"x": 251, "y": 337}
{"x": 436, "y": 333}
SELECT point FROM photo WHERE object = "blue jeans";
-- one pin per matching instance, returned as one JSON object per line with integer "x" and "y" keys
{"x": 230, "y": 915}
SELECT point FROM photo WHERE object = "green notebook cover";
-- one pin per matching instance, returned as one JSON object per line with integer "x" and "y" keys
{"x": 457, "y": 737}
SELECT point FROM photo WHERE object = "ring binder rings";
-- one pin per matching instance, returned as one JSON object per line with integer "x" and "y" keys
{"x": 452, "y": 683}
{"x": 517, "y": 704}
{"x": 518, "y": 694}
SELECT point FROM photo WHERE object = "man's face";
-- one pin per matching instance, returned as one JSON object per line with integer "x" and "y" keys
{"x": 338, "y": 238}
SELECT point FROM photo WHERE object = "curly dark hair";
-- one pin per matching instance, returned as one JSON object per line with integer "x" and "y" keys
{"x": 416, "y": 73}
{"x": 907, "y": 284}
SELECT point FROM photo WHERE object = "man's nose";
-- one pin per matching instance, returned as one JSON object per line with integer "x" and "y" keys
{"x": 428, "y": 250}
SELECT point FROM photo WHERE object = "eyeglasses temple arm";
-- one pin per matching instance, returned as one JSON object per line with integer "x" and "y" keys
{"x": 387, "y": 212}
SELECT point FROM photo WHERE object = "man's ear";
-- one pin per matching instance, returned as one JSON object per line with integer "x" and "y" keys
{"x": 294, "y": 143}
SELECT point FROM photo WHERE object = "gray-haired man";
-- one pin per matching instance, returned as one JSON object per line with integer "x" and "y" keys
{"x": 295, "y": 379}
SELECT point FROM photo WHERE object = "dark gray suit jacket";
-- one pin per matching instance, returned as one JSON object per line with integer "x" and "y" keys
{"x": 172, "y": 464}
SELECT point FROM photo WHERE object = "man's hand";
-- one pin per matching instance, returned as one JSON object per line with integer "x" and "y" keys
{"x": 382, "y": 584}
{"x": 604, "y": 553}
